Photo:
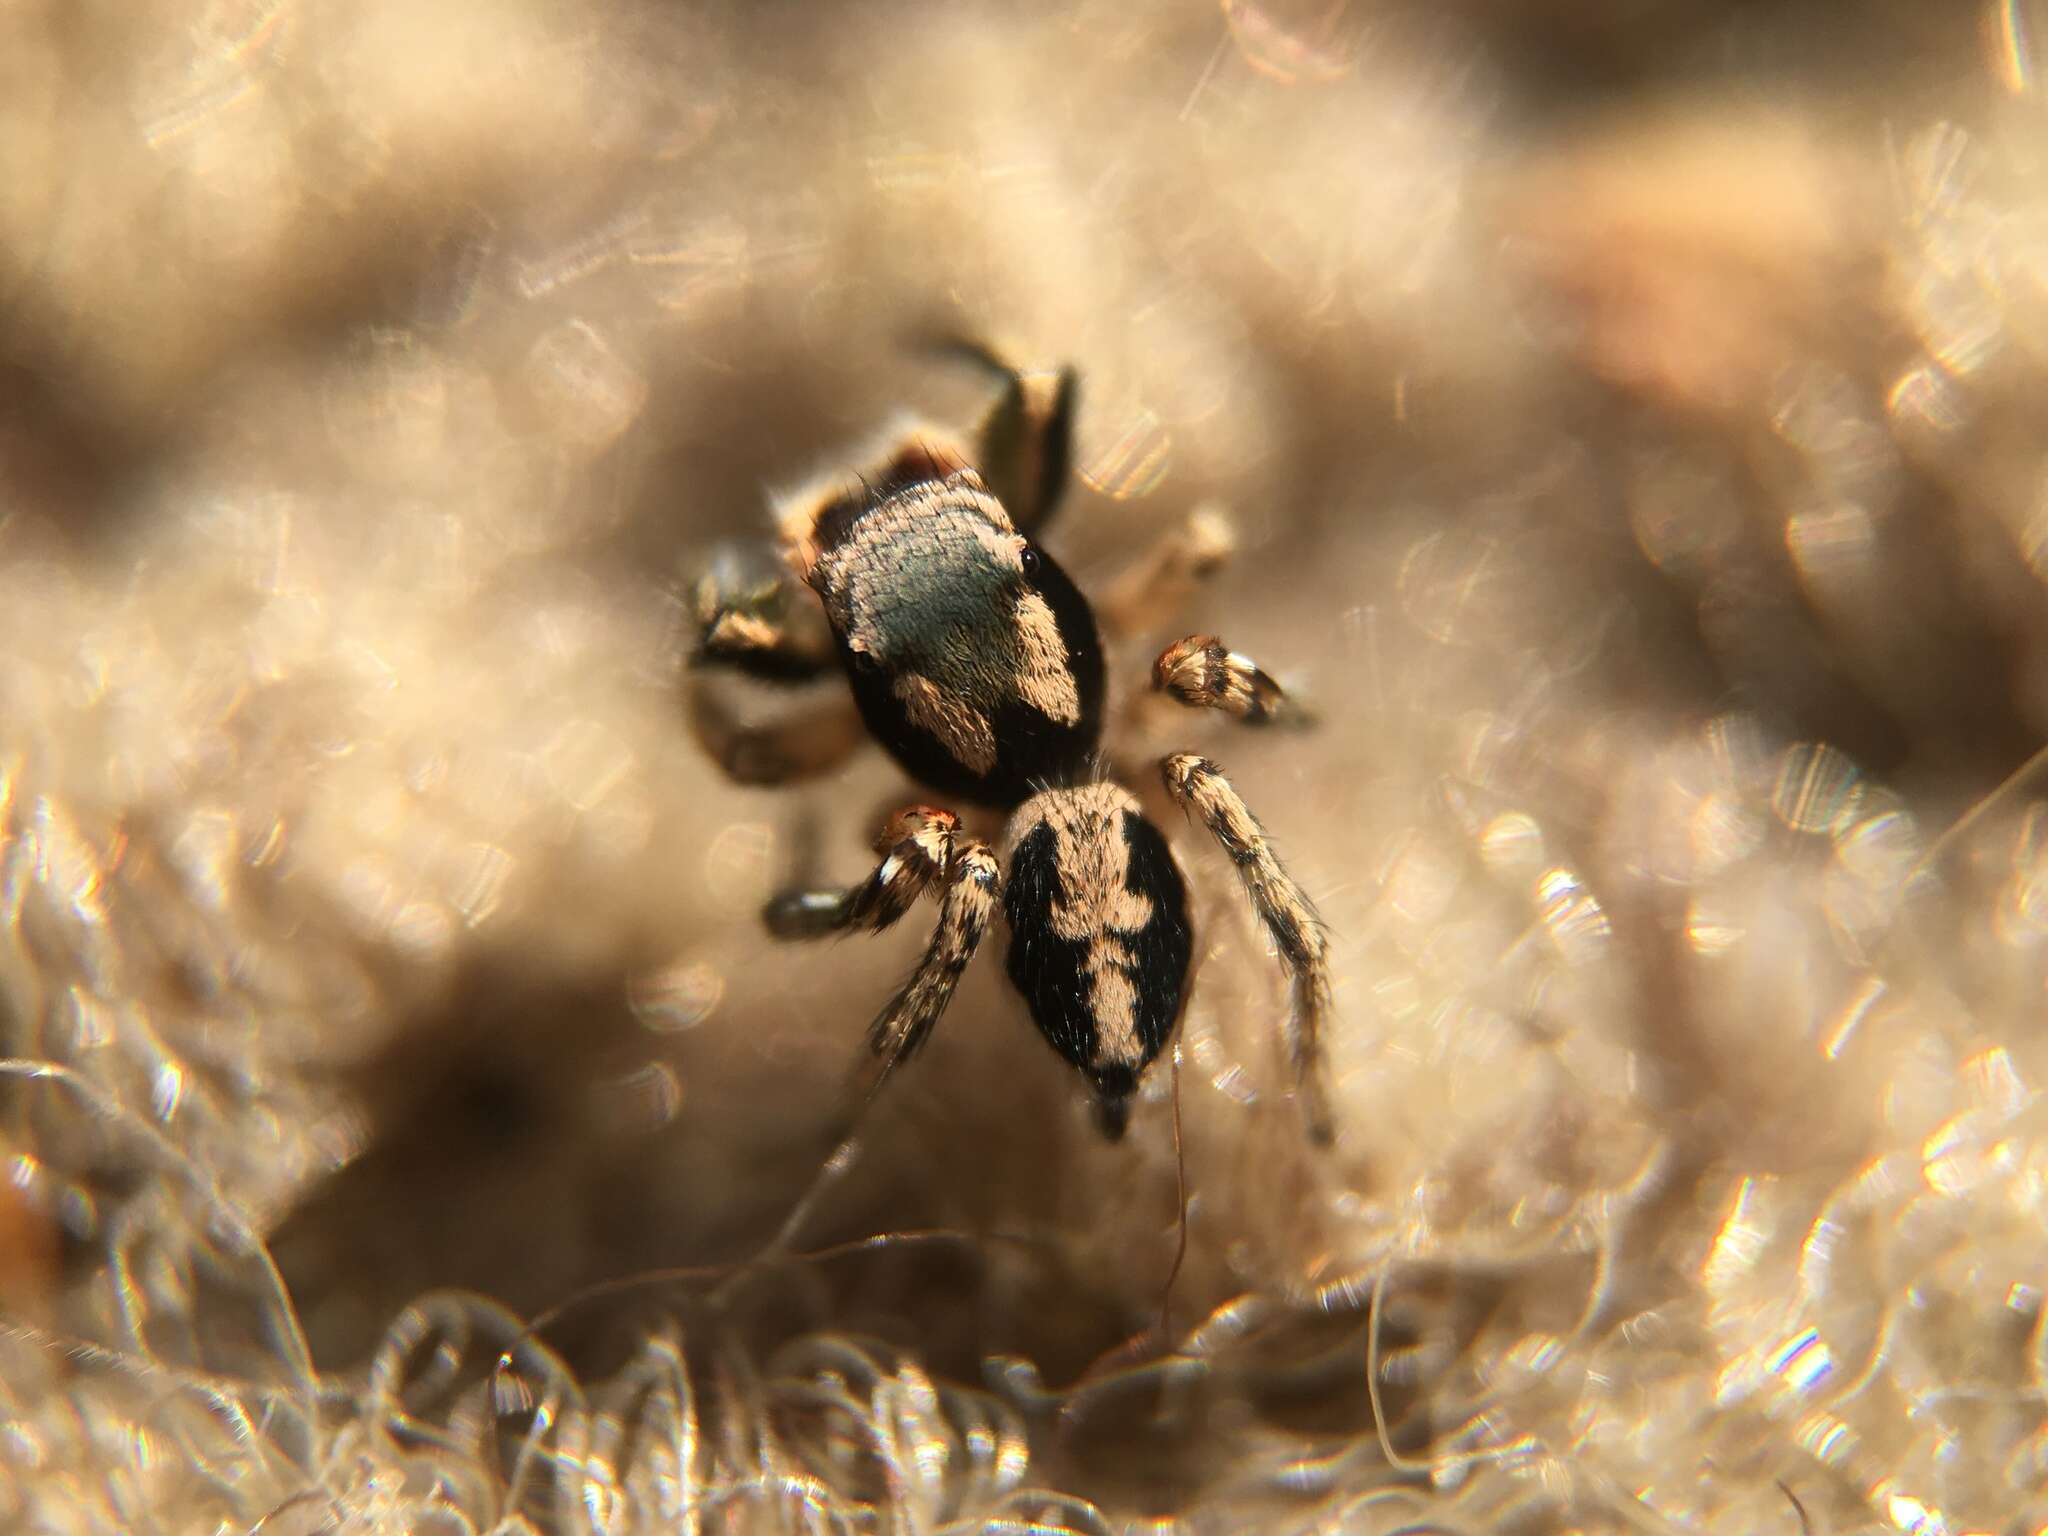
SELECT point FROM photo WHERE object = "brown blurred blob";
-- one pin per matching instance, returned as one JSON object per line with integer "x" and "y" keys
{"x": 29, "y": 1254}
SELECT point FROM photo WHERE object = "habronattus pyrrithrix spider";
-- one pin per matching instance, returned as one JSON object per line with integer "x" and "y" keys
{"x": 977, "y": 663}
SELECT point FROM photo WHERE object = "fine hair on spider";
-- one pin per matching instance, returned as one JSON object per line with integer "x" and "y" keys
{"x": 977, "y": 663}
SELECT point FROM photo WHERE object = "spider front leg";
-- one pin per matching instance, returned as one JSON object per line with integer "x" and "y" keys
{"x": 1203, "y": 673}
{"x": 802, "y": 744}
{"x": 750, "y": 617}
{"x": 922, "y": 849}
{"x": 1200, "y": 788}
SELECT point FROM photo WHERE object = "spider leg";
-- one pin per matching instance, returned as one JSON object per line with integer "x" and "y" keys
{"x": 801, "y": 744}
{"x": 915, "y": 846}
{"x": 921, "y": 849}
{"x": 1154, "y": 587}
{"x": 1025, "y": 446}
{"x": 1203, "y": 673}
{"x": 750, "y": 617}
{"x": 1200, "y": 788}
{"x": 969, "y": 897}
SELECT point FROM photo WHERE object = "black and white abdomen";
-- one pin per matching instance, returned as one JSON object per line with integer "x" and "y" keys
{"x": 1099, "y": 937}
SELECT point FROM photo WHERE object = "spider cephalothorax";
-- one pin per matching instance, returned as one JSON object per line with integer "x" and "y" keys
{"x": 971, "y": 655}
{"x": 975, "y": 661}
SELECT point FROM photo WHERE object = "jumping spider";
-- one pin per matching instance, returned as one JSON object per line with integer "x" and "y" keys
{"x": 976, "y": 662}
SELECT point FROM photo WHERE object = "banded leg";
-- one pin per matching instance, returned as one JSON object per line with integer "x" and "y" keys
{"x": 1200, "y": 788}
{"x": 905, "y": 1023}
{"x": 915, "y": 845}
{"x": 1202, "y": 673}
{"x": 921, "y": 850}
{"x": 1025, "y": 447}
{"x": 1146, "y": 597}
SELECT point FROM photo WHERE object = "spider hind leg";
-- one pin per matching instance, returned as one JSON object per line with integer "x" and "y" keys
{"x": 965, "y": 906}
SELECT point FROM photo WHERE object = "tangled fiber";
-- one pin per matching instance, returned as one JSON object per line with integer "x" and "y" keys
{"x": 1623, "y": 411}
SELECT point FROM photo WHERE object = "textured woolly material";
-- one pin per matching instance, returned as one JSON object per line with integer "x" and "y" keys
{"x": 1630, "y": 418}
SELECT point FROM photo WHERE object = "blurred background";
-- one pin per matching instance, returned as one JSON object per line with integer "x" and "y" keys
{"x": 1630, "y": 413}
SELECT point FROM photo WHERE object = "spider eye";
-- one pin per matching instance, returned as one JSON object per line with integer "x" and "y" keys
{"x": 1029, "y": 559}
{"x": 865, "y": 661}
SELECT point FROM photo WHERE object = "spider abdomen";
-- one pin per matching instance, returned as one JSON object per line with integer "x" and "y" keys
{"x": 1099, "y": 936}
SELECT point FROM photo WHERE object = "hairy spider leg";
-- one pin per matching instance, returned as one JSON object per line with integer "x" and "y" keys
{"x": 922, "y": 850}
{"x": 1203, "y": 673}
{"x": 968, "y": 900}
{"x": 1201, "y": 790}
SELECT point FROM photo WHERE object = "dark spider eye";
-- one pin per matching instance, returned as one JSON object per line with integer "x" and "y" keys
{"x": 865, "y": 661}
{"x": 1030, "y": 560}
